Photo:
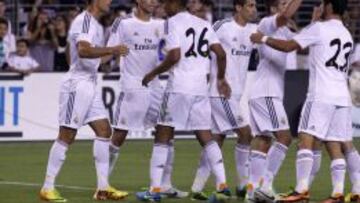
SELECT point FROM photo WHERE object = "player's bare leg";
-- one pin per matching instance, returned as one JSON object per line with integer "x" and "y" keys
{"x": 158, "y": 160}
{"x": 103, "y": 132}
{"x": 352, "y": 160}
{"x": 57, "y": 156}
{"x": 117, "y": 140}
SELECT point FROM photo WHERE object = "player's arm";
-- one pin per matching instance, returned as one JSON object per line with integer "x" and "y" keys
{"x": 223, "y": 86}
{"x": 172, "y": 58}
{"x": 278, "y": 44}
{"x": 288, "y": 13}
{"x": 85, "y": 50}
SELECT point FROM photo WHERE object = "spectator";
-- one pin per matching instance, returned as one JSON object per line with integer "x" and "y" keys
{"x": 60, "y": 41}
{"x": 41, "y": 35}
{"x": 20, "y": 61}
{"x": 9, "y": 39}
{"x": 3, "y": 49}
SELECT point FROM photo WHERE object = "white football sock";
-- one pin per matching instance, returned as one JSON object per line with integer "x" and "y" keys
{"x": 316, "y": 166}
{"x": 114, "y": 155}
{"x": 157, "y": 164}
{"x": 202, "y": 174}
{"x": 304, "y": 164}
{"x": 275, "y": 158}
{"x": 242, "y": 153}
{"x": 216, "y": 162}
{"x": 338, "y": 170}
{"x": 166, "y": 179}
{"x": 353, "y": 163}
{"x": 102, "y": 157}
{"x": 57, "y": 157}
{"x": 257, "y": 167}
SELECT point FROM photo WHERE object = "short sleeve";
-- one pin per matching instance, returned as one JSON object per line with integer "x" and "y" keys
{"x": 87, "y": 32}
{"x": 172, "y": 38}
{"x": 34, "y": 63}
{"x": 308, "y": 36}
{"x": 267, "y": 25}
{"x": 116, "y": 34}
{"x": 213, "y": 38}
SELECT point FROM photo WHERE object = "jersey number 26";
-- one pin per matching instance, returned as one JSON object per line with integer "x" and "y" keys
{"x": 200, "y": 50}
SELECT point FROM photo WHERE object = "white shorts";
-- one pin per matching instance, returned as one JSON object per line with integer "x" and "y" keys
{"x": 267, "y": 115}
{"x": 185, "y": 112}
{"x": 137, "y": 110}
{"x": 80, "y": 103}
{"x": 226, "y": 115}
{"x": 326, "y": 121}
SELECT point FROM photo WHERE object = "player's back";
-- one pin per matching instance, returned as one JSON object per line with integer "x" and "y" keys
{"x": 194, "y": 37}
{"x": 84, "y": 28}
{"x": 329, "y": 62}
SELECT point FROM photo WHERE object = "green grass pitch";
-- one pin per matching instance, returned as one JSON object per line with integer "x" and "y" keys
{"x": 22, "y": 169}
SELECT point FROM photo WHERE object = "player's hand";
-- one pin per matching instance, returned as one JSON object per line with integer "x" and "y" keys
{"x": 120, "y": 50}
{"x": 224, "y": 88}
{"x": 256, "y": 37}
{"x": 147, "y": 79}
{"x": 317, "y": 13}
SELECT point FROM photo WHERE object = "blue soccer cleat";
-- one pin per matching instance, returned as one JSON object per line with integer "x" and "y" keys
{"x": 148, "y": 196}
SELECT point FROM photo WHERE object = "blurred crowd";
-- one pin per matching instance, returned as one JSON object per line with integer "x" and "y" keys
{"x": 41, "y": 41}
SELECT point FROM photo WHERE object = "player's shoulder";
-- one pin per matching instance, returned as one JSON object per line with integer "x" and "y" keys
{"x": 222, "y": 23}
{"x": 121, "y": 20}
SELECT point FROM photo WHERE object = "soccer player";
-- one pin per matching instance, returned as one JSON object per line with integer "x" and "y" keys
{"x": 326, "y": 115}
{"x": 137, "y": 106}
{"x": 234, "y": 35}
{"x": 80, "y": 102}
{"x": 186, "y": 104}
{"x": 268, "y": 118}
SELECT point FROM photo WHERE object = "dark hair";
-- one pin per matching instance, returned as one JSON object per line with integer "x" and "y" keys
{"x": 4, "y": 21}
{"x": 239, "y": 2}
{"x": 22, "y": 40}
{"x": 339, "y": 6}
{"x": 270, "y": 3}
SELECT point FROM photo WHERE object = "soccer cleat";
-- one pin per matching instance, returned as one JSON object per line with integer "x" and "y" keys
{"x": 51, "y": 196}
{"x": 201, "y": 196}
{"x": 220, "y": 196}
{"x": 174, "y": 193}
{"x": 265, "y": 196}
{"x": 148, "y": 196}
{"x": 110, "y": 194}
{"x": 294, "y": 197}
{"x": 336, "y": 199}
{"x": 352, "y": 198}
{"x": 240, "y": 192}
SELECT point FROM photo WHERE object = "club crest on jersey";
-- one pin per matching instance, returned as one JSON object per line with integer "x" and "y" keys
{"x": 136, "y": 34}
{"x": 234, "y": 39}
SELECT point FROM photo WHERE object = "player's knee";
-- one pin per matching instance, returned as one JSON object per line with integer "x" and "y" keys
{"x": 284, "y": 138}
{"x": 67, "y": 135}
{"x": 118, "y": 137}
{"x": 306, "y": 142}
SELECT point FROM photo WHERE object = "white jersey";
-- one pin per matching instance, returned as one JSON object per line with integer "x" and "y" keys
{"x": 356, "y": 121}
{"x": 193, "y": 36}
{"x": 270, "y": 76}
{"x": 329, "y": 61}
{"x": 22, "y": 62}
{"x": 235, "y": 40}
{"x": 143, "y": 40}
{"x": 84, "y": 28}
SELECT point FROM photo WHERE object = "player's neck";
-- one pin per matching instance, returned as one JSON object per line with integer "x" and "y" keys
{"x": 240, "y": 20}
{"x": 141, "y": 15}
{"x": 333, "y": 17}
{"x": 94, "y": 12}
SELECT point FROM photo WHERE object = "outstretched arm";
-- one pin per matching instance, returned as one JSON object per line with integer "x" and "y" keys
{"x": 288, "y": 12}
{"x": 280, "y": 45}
